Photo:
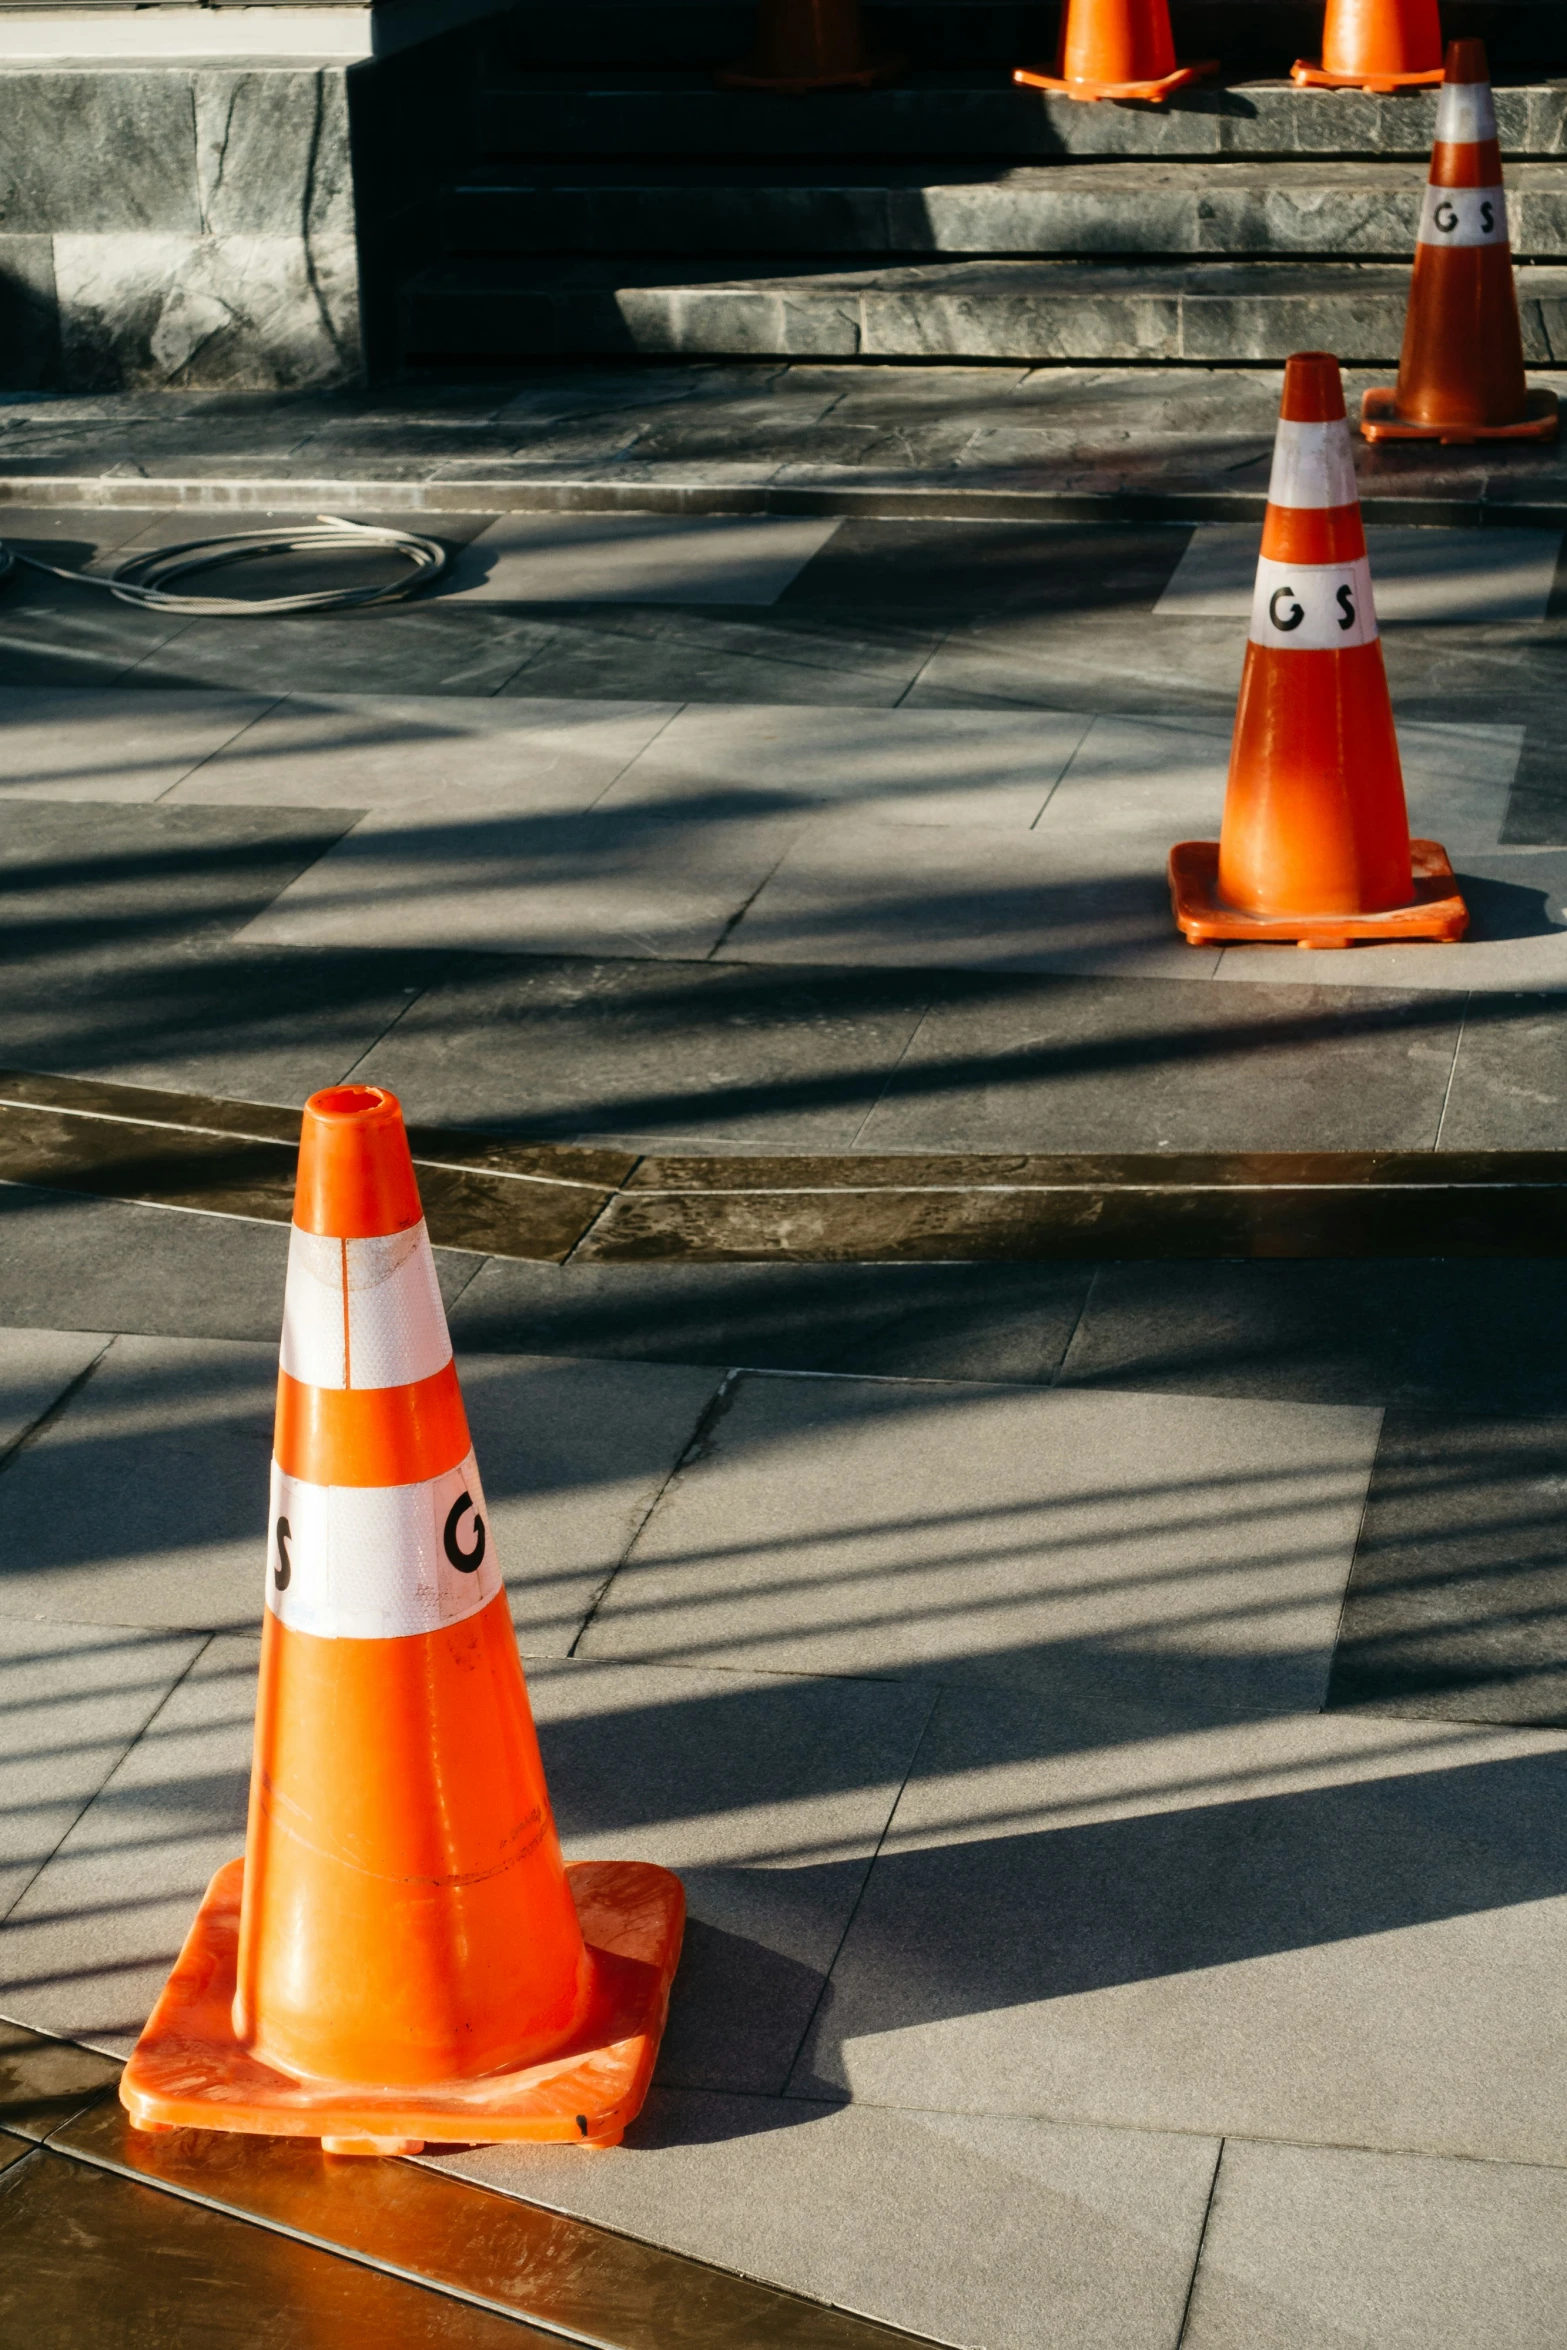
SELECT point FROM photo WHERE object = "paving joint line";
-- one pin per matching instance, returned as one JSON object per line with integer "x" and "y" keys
{"x": 708, "y": 1418}
{"x": 1202, "y": 2238}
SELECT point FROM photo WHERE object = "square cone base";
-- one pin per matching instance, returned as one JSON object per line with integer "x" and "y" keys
{"x": 1031, "y": 77}
{"x": 190, "y": 2072}
{"x": 1380, "y": 85}
{"x": 868, "y": 76}
{"x": 1438, "y": 911}
{"x": 1380, "y": 421}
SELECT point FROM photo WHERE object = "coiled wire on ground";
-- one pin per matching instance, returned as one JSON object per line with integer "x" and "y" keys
{"x": 147, "y": 578}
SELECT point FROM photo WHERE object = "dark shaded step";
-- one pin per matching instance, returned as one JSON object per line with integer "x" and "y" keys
{"x": 616, "y": 112}
{"x": 1247, "y": 36}
{"x": 1335, "y": 210}
{"x": 1026, "y": 311}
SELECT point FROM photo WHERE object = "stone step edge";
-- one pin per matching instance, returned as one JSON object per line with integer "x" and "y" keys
{"x": 506, "y": 494}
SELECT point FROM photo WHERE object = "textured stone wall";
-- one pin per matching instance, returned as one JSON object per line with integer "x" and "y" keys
{"x": 179, "y": 225}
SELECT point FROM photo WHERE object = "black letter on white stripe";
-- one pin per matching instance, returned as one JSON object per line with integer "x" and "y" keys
{"x": 282, "y": 1573}
{"x": 1297, "y": 614}
{"x": 1346, "y": 604}
{"x": 467, "y": 1562}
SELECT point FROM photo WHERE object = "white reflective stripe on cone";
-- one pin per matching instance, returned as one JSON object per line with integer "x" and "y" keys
{"x": 363, "y": 1313}
{"x": 1464, "y": 216}
{"x": 1465, "y": 114}
{"x": 378, "y": 1562}
{"x": 1312, "y": 607}
{"x": 1312, "y": 465}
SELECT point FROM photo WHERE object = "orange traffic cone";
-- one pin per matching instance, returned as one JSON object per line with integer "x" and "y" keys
{"x": 1378, "y": 45}
{"x": 1315, "y": 843}
{"x": 804, "y": 45}
{"x": 1460, "y": 375}
{"x": 1115, "y": 49}
{"x": 402, "y": 1954}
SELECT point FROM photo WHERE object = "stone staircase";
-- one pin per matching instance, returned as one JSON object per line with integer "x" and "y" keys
{"x": 619, "y": 204}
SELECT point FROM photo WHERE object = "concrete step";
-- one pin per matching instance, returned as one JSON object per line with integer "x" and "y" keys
{"x": 1249, "y": 37}
{"x": 617, "y": 112}
{"x": 1354, "y": 211}
{"x": 1025, "y": 311}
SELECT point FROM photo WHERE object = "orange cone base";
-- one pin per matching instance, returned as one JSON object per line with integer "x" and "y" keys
{"x": 190, "y": 2072}
{"x": 1382, "y": 85}
{"x": 1032, "y": 79}
{"x": 1437, "y": 913}
{"x": 868, "y": 76}
{"x": 1380, "y": 421}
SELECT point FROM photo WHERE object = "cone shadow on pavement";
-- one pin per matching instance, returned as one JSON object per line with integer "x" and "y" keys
{"x": 402, "y": 1953}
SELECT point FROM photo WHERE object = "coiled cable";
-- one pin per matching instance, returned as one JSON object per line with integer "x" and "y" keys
{"x": 147, "y": 578}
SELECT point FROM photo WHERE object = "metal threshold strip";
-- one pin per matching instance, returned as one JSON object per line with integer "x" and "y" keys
{"x": 558, "y": 2278}
{"x": 554, "y": 1202}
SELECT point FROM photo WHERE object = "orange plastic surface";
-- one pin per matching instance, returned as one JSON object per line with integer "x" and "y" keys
{"x": 191, "y": 2071}
{"x": 406, "y": 1913}
{"x": 1031, "y": 78}
{"x": 1380, "y": 420}
{"x": 1114, "y": 49}
{"x": 1436, "y": 910}
{"x": 356, "y": 1178}
{"x": 1314, "y": 810}
{"x": 370, "y": 1435}
{"x": 1377, "y": 45}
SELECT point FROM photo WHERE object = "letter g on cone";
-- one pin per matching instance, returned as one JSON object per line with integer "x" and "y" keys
{"x": 402, "y": 1954}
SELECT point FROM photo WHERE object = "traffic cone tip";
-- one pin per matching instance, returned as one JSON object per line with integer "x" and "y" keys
{"x": 356, "y": 1177}
{"x": 1313, "y": 389}
{"x": 1466, "y": 62}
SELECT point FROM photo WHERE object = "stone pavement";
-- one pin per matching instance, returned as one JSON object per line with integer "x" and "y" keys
{"x": 1110, "y": 1718}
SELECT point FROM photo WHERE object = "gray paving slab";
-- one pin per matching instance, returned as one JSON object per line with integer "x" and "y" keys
{"x": 853, "y": 891}
{"x": 1456, "y": 1334}
{"x": 415, "y": 648}
{"x": 1096, "y": 661}
{"x": 634, "y": 559}
{"x": 916, "y": 1321}
{"x": 1329, "y": 1928}
{"x": 1456, "y": 578}
{"x": 1138, "y": 1559}
{"x": 211, "y": 1018}
{"x": 720, "y": 654}
{"x": 70, "y": 1264}
{"x": 111, "y": 743}
{"x": 1509, "y": 1087}
{"x": 573, "y": 1455}
{"x": 36, "y": 1369}
{"x": 73, "y": 1700}
{"x": 768, "y": 1795}
{"x": 881, "y": 564}
{"x": 144, "y": 1502}
{"x": 1457, "y": 1603}
{"x": 1316, "y": 2247}
{"x": 695, "y": 1052}
{"x": 990, "y": 767}
{"x": 1020, "y": 2234}
{"x": 501, "y": 882}
{"x": 1146, "y": 1064}
{"x": 373, "y": 751}
{"x": 85, "y": 1951}
{"x": 84, "y": 891}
